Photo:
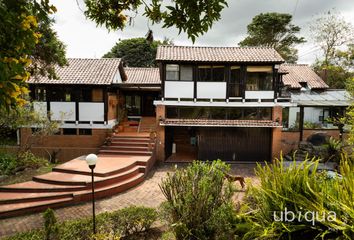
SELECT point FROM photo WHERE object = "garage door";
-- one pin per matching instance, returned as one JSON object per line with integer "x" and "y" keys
{"x": 234, "y": 144}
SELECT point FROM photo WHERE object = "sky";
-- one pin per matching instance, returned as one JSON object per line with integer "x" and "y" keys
{"x": 84, "y": 39}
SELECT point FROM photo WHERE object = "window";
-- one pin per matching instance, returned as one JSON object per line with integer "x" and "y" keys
{"x": 218, "y": 74}
{"x": 285, "y": 117}
{"x": 133, "y": 105}
{"x": 186, "y": 73}
{"x": 235, "y": 81}
{"x": 85, "y": 95}
{"x": 172, "y": 72}
{"x": 69, "y": 131}
{"x": 204, "y": 73}
{"x": 219, "y": 113}
{"x": 40, "y": 94}
{"x": 176, "y": 72}
{"x": 208, "y": 73}
{"x": 259, "y": 78}
{"x": 84, "y": 131}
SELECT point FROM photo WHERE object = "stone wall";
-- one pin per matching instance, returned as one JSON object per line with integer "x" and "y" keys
{"x": 291, "y": 139}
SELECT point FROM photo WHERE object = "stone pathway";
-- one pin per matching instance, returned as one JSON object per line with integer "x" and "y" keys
{"x": 145, "y": 194}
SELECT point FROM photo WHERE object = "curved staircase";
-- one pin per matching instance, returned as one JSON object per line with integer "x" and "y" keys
{"x": 121, "y": 165}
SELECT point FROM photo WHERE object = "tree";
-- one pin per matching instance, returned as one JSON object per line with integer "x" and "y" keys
{"x": 193, "y": 17}
{"x": 331, "y": 31}
{"x": 28, "y": 45}
{"x": 274, "y": 30}
{"x": 136, "y": 52}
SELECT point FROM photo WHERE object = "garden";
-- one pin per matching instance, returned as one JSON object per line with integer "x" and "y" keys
{"x": 294, "y": 202}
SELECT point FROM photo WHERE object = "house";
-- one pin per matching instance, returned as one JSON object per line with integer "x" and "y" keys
{"x": 219, "y": 103}
{"x": 232, "y": 103}
{"x": 315, "y": 103}
{"x": 87, "y": 100}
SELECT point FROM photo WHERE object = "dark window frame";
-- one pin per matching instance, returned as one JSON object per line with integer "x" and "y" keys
{"x": 212, "y": 67}
{"x": 179, "y": 72}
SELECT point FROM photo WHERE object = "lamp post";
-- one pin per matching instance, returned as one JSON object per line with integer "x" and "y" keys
{"x": 91, "y": 160}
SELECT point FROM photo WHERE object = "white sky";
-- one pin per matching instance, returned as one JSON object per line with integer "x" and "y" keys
{"x": 83, "y": 39}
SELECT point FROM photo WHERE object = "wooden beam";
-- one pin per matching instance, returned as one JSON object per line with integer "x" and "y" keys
{"x": 301, "y": 123}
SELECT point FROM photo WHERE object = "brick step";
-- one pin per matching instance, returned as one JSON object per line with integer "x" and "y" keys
{"x": 140, "y": 140}
{"x": 8, "y": 210}
{"x": 60, "y": 178}
{"x": 126, "y": 152}
{"x": 138, "y": 144}
{"x": 13, "y": 198}
{"x": 37, "y": 187}
{"x": 122, "y": 169}
{"x": 129, "y": 148}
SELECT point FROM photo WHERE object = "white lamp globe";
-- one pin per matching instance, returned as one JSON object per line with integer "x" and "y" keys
{"x": 91, "y": 159}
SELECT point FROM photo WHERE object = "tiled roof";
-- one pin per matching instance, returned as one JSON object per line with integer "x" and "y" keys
{"x": 217, "y": 54}
{"x": 219, "y": 123}
{"x": 101, "y": 71}
{"x": 142, "y": 75}
{"x": 298, "y": 73}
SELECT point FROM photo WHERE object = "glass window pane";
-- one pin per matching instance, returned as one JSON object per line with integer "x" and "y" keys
{"x": 265, "y": 113}
{"x": 204, "y": 73}
{"x": 172, "y": 72}
{"x": 235, "y": 81}
{"x": 259, "y": 81}
{"x": 186, "y": 73}
{"x": 234, "y": 113}
{"x": 218, "y": 73}
{"x": 250, "y": 113}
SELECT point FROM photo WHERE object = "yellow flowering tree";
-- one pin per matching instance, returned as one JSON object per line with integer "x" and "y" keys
{"x": 21, "y": 30}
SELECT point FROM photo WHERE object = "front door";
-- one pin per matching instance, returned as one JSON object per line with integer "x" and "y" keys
{"x": 148, "y": 105}
{"x": 133, "y": 104}
{"x": 140, "y": 103}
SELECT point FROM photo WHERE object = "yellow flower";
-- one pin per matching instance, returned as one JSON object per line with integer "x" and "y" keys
{"x": 17, "y": 77}
{"x": 24, "y": 90}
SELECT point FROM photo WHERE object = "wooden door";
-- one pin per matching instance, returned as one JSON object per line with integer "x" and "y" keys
{"x": 234, "y": 144}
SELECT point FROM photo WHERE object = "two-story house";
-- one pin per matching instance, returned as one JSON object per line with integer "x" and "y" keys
{"x": 88, "y": 99}
{"x": 219, "y": 103}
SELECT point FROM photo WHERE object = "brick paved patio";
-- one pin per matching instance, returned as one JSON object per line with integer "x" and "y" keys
{"x": 145, "y": 194}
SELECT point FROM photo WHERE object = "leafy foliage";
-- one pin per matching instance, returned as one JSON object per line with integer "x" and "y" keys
{"x": 300, "y": 188}
{"x": 50, "y": 225}
{"x": 127, "y": 221}
{"x": 199, "y": 201}
{"x": 337, "y": 71}
{"x": 331, "y": 31}
{"x": 274, "y": 30}
{"x": 11, "y": 163}
{"x": 193, "y": 17}
{"x": 27, "y": 45}
{"x": 133, "y": 220}
{"x": 136, "y": 52}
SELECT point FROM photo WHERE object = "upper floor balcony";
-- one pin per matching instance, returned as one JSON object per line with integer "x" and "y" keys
{"x": 220, "y": 82}
{"x": 72, "y": 112}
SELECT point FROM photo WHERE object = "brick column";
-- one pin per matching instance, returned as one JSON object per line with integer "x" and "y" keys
{"x": 160, "y": 133}
{"x": 276, "y": 132}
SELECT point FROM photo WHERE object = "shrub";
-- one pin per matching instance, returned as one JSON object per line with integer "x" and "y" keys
{"x": 133, "y": 220}
{"x": 199, "y": 204}
{"x": 300, "y": 189}
{"x": 11, "y": 163}
{"x": 128, "y": 221}
{"x": 50, "y": 225}
{"x": 32, "y": 235}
